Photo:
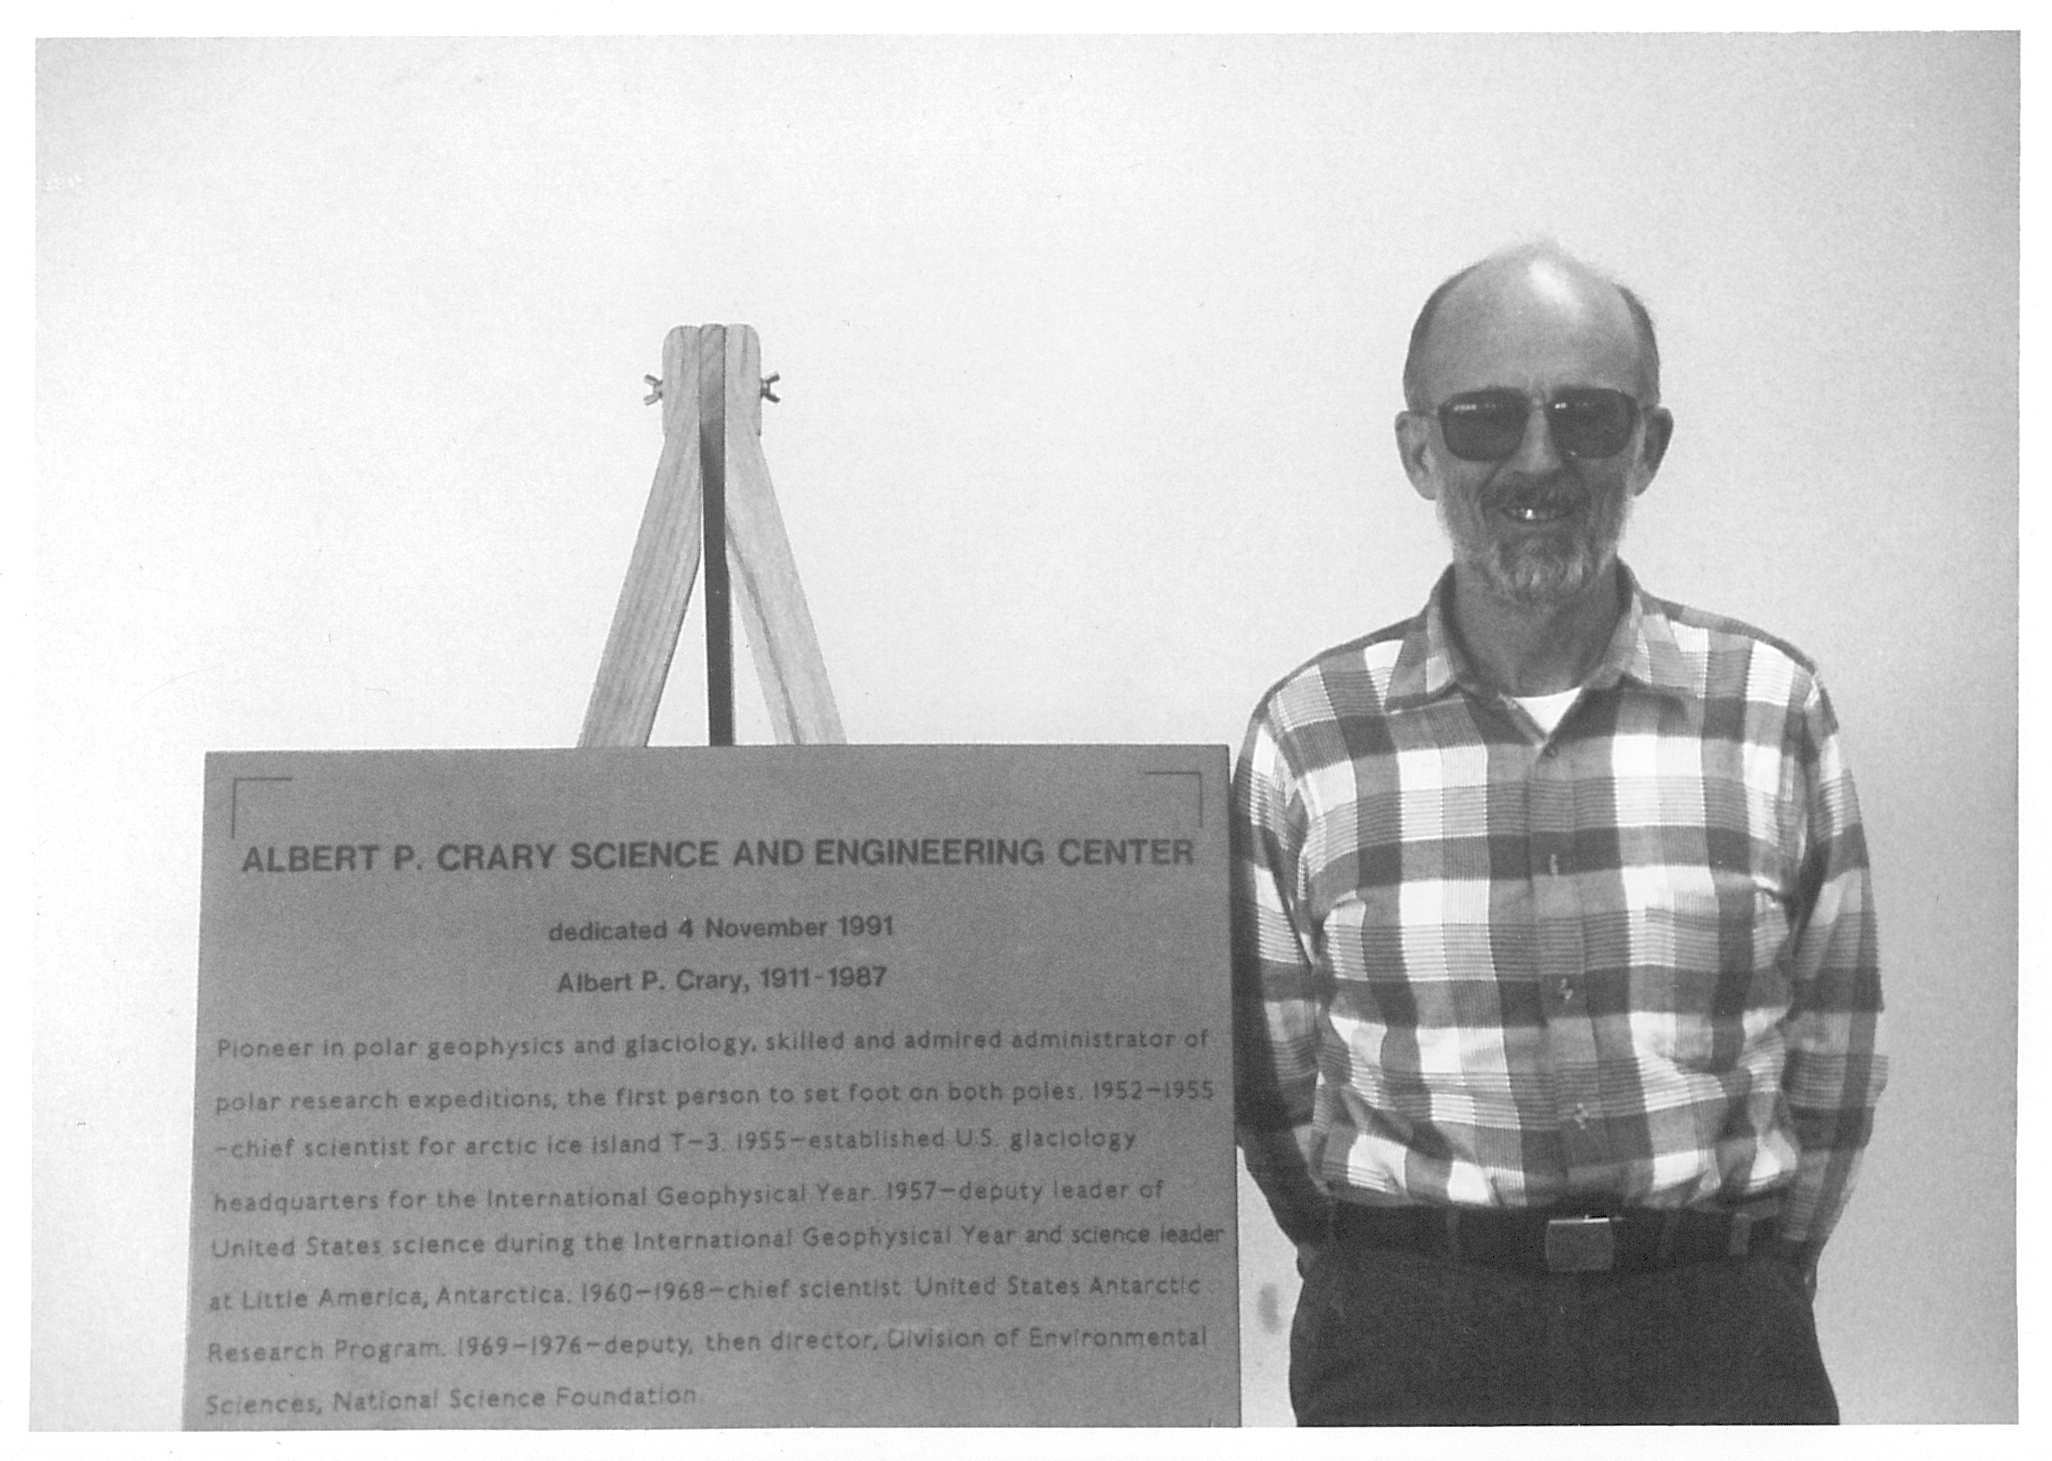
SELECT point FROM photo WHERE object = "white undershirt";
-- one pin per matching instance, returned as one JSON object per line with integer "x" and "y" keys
{"x": 1549, "y": 710}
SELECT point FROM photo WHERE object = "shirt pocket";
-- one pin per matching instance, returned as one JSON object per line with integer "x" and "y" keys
{"x": 1705, "y": 966}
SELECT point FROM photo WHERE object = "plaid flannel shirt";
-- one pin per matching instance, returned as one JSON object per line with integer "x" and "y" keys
{"x": 1632, "y": 962}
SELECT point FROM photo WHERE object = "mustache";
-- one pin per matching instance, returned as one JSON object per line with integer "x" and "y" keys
{"x": 1555, "y": 494}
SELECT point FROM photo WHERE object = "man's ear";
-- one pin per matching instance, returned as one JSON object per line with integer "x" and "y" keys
{"x": 1414, "y": 435}
{"x": 1653, "y": 446}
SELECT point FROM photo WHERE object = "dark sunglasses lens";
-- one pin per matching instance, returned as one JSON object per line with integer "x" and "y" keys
{"x": 1592, "y": 423}
{"x": 1485, "y": 427}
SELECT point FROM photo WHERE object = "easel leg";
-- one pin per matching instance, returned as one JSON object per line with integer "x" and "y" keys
{"x": 712, "y": 471}
{"x": 650, "y": 613}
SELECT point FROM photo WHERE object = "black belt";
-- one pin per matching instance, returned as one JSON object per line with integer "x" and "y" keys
{"x": 1550, "y": 1240}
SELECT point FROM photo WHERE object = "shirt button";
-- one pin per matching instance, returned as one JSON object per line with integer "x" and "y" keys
{"x": 1581, "y": 1115}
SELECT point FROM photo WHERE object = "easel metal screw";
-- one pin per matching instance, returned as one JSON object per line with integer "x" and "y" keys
{"x": 655, "y": 392}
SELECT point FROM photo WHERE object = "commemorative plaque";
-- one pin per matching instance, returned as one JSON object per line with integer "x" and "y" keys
{"x": 714, "y": 1087}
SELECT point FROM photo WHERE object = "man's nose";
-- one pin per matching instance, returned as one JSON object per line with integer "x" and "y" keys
{"x": 1536, "y": 454}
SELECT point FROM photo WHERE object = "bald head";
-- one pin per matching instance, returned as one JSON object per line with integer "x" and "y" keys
{"x": 1534, "y": 293}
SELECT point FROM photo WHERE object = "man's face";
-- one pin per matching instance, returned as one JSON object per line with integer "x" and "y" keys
{"x": 1540, "y": 526}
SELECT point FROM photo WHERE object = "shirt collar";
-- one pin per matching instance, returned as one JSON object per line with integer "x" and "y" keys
{"x": 1642, "y": 649}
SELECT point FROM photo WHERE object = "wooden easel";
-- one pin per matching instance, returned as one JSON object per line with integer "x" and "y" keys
{"x": 712, "y": 492}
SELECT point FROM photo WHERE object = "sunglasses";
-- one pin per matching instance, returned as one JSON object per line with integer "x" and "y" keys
{"x": 1586, "y": 421}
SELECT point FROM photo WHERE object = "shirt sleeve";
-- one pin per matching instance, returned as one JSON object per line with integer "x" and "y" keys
{"x": 1835, "y": 1069}
{"x": 1277, "y": 1003}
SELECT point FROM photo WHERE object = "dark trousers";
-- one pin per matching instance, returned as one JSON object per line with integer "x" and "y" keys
{"x": 1385, "y": 1337}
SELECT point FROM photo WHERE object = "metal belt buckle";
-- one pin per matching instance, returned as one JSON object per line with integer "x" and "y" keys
{"x": 1581, "y": 1244}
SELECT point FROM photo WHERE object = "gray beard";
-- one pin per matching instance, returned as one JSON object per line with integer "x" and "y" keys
{"x": 1541, "y": 571}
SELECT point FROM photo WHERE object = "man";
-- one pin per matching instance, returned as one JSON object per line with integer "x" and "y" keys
{"x": 1556, "y": 979}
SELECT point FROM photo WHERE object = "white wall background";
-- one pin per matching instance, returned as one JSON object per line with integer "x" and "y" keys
{"x": 1089, "y": 351}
